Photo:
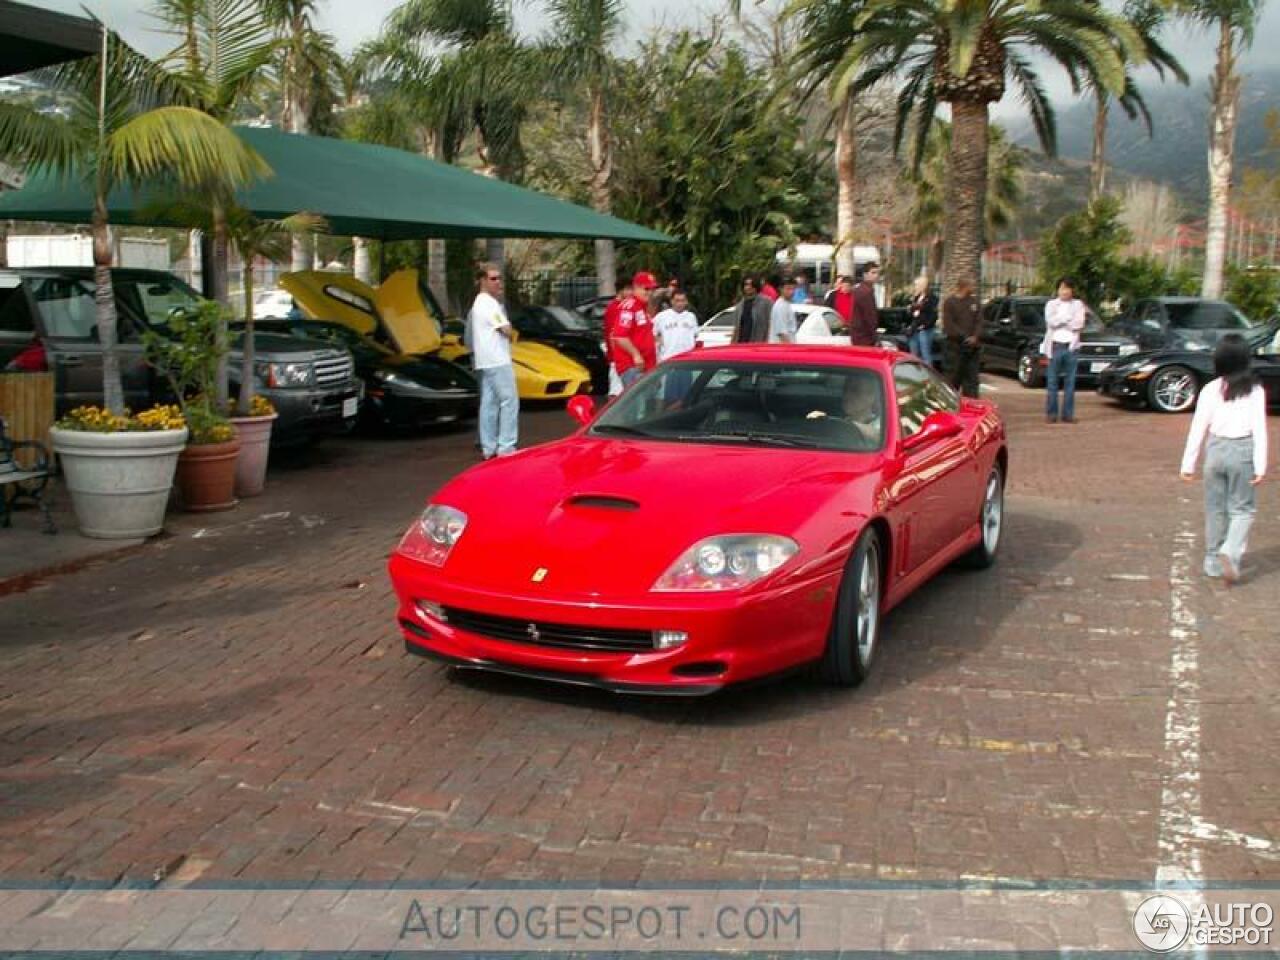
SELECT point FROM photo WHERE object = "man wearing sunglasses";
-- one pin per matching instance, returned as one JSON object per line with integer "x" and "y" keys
{"x": 490, "y": 334}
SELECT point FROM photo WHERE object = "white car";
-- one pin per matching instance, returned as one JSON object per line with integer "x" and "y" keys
{"x": 815, "y": 324}
{"x": 272, "y": 303}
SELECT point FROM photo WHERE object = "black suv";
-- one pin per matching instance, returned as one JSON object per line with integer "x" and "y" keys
{"x": 1181, "y": 323}
{"x": 311, "y": 383}
{"x": 1013, "y": 329}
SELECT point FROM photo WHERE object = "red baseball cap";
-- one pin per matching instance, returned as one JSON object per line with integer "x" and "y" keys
{"x": 645, "y": 281}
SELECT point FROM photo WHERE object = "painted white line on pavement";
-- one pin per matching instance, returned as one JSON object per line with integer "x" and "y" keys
{"x": 1255, "y": 845}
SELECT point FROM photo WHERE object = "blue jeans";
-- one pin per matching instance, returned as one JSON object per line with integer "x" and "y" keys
{"x": 499, "y": 410}
{"x": 921, "y": 344}
{"x": 1230, "y": 501}
{"x": 1062, "y": 365}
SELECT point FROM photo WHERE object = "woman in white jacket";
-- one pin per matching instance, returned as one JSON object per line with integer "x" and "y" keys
{"x": 1232, "y": 412}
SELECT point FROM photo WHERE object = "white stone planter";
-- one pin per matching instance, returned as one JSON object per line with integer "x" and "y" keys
{"x": 119, "y": 482}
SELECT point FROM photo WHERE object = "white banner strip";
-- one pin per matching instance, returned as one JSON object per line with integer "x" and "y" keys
{"x": 704, "y": 920}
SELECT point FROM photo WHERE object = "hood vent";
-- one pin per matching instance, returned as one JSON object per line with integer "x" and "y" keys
{"x": 602, "y": 502}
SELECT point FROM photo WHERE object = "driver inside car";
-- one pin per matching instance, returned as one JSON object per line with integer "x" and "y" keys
{"x": 859, "y": 408}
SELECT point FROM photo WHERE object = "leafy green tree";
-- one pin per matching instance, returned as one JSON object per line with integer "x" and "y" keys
{"x": 964, "y": 54}
{"x": 115, "y": 134}
{"x": 1254, "y": 290}
{"x": 1086, "y": 247}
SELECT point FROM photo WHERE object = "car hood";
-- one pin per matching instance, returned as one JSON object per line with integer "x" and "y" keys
{"x": 402, "y": 313}
{"x": 430, "y": 372}
{"x": 606, "y": 518}
{"x": 1104, "y": 336}
{"x": 284, "y": 348}
{"x": 1195, "y": 358}
{"x": 546, "y": 361}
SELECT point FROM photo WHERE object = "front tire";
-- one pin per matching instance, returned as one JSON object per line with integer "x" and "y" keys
{"x": 1029, "y": 372}
{"x": 855, "y": 629}
{"x": 1173, "y": 390}
{"x": 990, "y": 521}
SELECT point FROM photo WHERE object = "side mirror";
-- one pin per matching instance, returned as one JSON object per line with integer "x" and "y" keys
{"x": 582, "y": 409}
{"x": 940, "y": 425}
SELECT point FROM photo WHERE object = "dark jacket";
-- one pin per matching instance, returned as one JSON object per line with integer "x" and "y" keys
{"x": 924, "y": 313}
{"x": 961, "y": 317}
{"x": 866, "y": 318}
{"x": 758, "y": 329}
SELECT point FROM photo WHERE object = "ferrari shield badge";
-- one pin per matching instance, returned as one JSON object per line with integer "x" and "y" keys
{"x": 539, "y": 575}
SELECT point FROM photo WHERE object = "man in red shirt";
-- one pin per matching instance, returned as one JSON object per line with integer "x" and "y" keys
{"x": 866, "y": 318}
{"x": 841, "y": 298}
{"x": 634, "y": 349}
{"x": 769, "y": 291}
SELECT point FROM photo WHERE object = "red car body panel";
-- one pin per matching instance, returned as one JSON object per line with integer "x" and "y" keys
{"x": 577, "y": 532}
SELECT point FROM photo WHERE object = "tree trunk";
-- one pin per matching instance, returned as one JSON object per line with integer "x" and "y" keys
{"x": 104, "y": 300}
{"x": 846, "y": 183}
{"x": 438, "y": 271}
{"x": 361, "y": 265}
{"x": 495, "y": 253}
{"x": 966, "y": 194}
{"x": 1098, "y": 165}
{"x": 601, "y": 157}
{"x": 1224, "y": 91}
{"x": 246, "y": 364}
{"x": 219, "y": 293}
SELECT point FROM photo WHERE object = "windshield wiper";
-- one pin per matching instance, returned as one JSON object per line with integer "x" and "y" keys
{"x": 750, "y": 436}
{"x": 621, "y": 429}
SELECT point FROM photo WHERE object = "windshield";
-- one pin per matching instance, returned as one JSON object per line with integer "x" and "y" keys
{"x": 816, "y": 407}
{"x": 569, "y": 320}
{"x": 1206, "y": 316}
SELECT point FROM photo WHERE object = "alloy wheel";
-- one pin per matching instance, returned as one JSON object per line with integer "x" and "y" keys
{"x": 1028, "y": 370}
{"x": 993, "y": 513}
{"x": 867, "y": 624}
{"x": 1173, "y": 390}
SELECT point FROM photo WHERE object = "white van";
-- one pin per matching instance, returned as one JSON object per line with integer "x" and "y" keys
{"x": 817, "y": 261}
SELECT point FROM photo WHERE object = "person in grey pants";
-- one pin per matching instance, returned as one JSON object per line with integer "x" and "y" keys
{"x": 1232, "y": 413}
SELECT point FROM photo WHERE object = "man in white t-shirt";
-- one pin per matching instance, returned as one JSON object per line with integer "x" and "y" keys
{"x": 490, "y": 334}
{"x": 782, "y": 315}
{"x": 675, "y": 328}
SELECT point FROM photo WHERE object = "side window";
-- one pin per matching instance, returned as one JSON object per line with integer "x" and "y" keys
{"x": 159, "y": 299}
{"x": 941, "y": 395}
{"x": 722, "y": 319}
{"x": 67, "y": 308}
{"x": 1031, "y": 316}
{"x": 912, "y": 384}
{"x": 351, "y": 299}
{"x": 15, "y": 314}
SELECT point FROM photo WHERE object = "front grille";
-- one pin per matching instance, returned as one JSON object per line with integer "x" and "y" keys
{"x": 333, "y": 370}
{"x": 1100, "y": 349}
{"x": 540, "y": 634}
{"x": 557, "y": 386}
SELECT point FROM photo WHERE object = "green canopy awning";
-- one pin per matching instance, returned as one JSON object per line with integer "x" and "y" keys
{"x": 32, "y": 38}
{"x": 362, "y": 189}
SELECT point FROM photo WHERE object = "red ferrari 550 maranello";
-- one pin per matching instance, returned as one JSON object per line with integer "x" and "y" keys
{"x": 738, "y": 512}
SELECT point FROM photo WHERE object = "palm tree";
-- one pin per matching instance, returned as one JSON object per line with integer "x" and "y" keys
{"x": 929, "y": 180}
{"x": 224, "y": 49}
{"x": 1147, "y": 18}
{"x": 1235, "y": 21}
{"x": 307, "y": 72}
{"x": 117, "y": 133}
{"x": 963, "y": 54}
{"x": 586, "y": 33}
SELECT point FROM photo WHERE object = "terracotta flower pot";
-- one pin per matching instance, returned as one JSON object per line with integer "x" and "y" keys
{"x": 207, "y": 476}
{"x": 255, "y": 447}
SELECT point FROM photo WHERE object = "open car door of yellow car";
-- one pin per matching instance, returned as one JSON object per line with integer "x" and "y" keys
{"x": 335, "y": 297}
{"x": 405, "y": 314}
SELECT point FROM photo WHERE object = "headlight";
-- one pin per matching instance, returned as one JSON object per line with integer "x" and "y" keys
{"x": 432, "y": 536}
{"x": 394, "y": 379}
{"x": 285, "y": 374}
{"x": 1196, "y": 345}
{"x": 604, "y": 348}
{"x": 1127, "y": 349}
{"x": 727, "y": 562}
{"x": 1144, "y": 371}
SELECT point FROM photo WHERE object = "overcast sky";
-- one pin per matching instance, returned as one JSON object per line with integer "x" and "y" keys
{"x": 353, "y": 21}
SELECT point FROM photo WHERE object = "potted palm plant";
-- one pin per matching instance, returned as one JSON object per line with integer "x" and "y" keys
{"x": 189, "y": 355}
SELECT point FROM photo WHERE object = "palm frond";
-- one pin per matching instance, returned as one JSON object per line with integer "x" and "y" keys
{"x": 32, "y": 140}
{"x": 183, "y": 143}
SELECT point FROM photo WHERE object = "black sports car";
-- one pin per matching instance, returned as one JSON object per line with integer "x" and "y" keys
{"x": 399, "y": 391}
{"x": 1168, "y": 380}
{"x": 1013, "y": 328}
{"x": 569, "y": 332}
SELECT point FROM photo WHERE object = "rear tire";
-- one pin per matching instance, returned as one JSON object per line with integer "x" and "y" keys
{"x": 1029, "y": 372}
{"x": 990, "y": 521}
{"x": 854, "y": 637}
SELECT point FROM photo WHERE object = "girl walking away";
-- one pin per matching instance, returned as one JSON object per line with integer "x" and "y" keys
{"x": 1232, "y": 410}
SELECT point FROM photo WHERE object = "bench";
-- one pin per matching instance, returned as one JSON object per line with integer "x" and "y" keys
{"x": 24, "y": 474}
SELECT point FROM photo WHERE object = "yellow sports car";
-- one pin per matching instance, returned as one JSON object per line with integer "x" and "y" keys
{"x": 403, "y": 316}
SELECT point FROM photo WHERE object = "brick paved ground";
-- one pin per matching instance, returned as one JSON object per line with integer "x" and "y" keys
{"x": 233, "y": 701}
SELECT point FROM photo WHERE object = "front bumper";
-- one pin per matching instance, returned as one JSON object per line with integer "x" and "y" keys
{"x": 732, "y": 638}
{"x": 305, "y": 414}
{"x": 1121, "y": 386}
{"x": 423, "y": 410}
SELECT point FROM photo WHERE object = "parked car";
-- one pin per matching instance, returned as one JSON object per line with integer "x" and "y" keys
{"x": 821, "y": 459}
{"x": 312, "y": 384}
{"x": 399, "y": 391}
{"x": 1191, "y": 323}
{"x": 593, "y": 311}
{"x": 1169, "y": 380}
{"x": 815, "y": 325}
{"x": 570, "y": 333}
{"x": 1013, "y": 329}
{"x": 402, "y": 315}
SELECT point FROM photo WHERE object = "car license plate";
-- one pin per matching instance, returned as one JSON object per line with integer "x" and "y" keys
{"x": 349, "y": 407}
{"x": 1098, "y": 366}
